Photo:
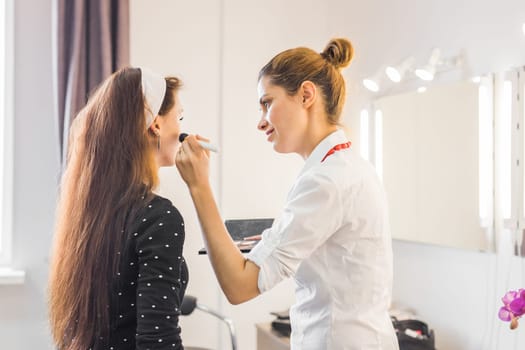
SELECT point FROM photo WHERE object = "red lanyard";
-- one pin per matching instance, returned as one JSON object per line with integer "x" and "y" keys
{"x": 336, "y": 148}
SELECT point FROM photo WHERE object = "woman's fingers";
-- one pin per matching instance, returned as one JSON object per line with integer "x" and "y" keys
{"x": 202, "y": 138}
{"x": 253, "y": 238}
{"x": 194, "y": 143}
{"x": 192, "y": 162}
{"x": 191, "y": 148}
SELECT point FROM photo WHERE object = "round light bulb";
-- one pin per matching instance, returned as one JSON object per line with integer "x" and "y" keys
{"x": 393, "y": 74}
{"x": 371, "y": 85}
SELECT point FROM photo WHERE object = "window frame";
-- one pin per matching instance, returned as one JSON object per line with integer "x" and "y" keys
{"x": 6, "y": 132}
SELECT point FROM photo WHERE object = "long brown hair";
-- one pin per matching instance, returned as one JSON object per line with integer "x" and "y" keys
{"x": 110, "y": 169}
{"x": 290, "y": 68}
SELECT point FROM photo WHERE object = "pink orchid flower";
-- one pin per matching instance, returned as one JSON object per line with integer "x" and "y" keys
{"x": 513, "y": 307}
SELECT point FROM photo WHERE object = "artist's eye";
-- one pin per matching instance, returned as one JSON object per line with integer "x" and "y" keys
{"x": 265, "y": 104}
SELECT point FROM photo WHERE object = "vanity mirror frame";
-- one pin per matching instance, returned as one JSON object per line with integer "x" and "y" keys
{"x": 510, "y": 184}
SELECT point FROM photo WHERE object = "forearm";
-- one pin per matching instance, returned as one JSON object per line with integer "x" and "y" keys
{"x": 236, "y": 275}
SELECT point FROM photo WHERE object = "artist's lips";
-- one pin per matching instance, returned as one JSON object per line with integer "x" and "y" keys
{"x": 269, "y": 133}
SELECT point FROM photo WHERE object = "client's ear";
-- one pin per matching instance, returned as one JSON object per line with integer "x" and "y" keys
{"x": 155, "y": 126}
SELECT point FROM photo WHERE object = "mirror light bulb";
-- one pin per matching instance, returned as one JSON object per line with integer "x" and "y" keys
{"x": 371, "y": 85}
{"x": 425, "y": 74}
{"x": 393, "y": 74}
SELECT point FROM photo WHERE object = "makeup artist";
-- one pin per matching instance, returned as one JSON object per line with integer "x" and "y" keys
{"x": 332, "y": 237}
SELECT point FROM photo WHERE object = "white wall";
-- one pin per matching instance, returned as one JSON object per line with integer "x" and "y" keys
{"x": 218, "y": 54}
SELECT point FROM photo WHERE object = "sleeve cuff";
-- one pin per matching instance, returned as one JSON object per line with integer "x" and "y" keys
{"x": 259, "y": 256}
{"x": 261, "y": 251}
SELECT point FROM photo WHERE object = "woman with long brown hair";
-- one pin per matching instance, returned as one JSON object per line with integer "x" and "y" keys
{"x": 117, "y": 275}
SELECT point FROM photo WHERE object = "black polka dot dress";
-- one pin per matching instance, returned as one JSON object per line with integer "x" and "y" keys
{"x": 150, "y": 284}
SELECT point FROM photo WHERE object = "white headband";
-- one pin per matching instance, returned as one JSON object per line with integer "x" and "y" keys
{"x": 154, "y": 90}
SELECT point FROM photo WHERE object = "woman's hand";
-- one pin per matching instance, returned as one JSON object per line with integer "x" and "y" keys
{"x": 237, "y": 276}
{"x": 192, "y": 161}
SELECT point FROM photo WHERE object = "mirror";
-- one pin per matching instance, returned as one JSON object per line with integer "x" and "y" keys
{"x": 430, "y": 163}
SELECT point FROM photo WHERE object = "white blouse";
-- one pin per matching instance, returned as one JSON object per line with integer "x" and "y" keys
{"x": 333, "y": 238}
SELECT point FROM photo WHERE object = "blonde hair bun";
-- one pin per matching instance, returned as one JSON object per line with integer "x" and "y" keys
{"x": 338, "y": 52}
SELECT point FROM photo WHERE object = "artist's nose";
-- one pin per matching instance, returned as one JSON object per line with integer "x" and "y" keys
{"x": 263, "y": 124}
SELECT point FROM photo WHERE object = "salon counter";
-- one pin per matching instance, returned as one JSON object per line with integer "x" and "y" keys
{"x": 268, "y": 339}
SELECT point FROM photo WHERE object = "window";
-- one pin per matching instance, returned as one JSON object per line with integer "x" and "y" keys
{"x": 6, "y": 128}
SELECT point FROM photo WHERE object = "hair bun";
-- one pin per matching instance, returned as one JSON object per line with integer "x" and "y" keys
{"x": 338, "y": 52}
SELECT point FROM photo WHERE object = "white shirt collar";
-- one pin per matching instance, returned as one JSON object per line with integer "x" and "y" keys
{"x": 323, "y": 147}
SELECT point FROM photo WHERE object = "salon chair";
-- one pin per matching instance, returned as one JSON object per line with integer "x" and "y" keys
{"x": 189, "y": 304}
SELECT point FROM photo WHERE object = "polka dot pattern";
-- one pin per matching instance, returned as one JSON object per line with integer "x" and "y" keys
{"x": 150, "y": 284}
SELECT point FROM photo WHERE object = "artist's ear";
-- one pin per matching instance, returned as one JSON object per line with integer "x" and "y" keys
{"x": 308, "y": 92}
